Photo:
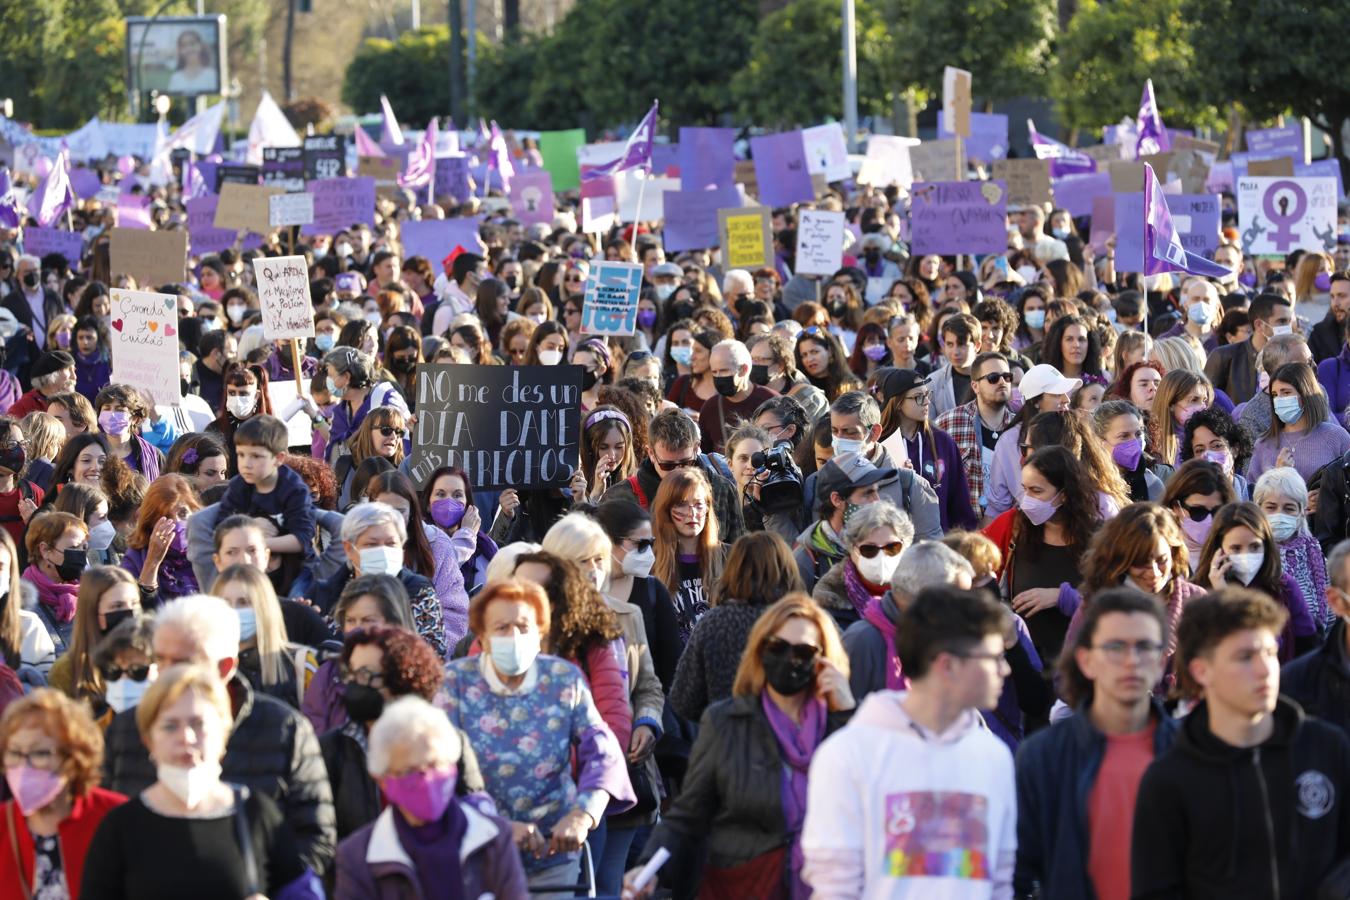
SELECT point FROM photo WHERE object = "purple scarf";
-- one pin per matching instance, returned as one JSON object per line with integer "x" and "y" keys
{"x": 797, "y": 744}
{"x": 858, "y": 593}
{"x": 895, "y": 677}
{"x": 57, "y": 597}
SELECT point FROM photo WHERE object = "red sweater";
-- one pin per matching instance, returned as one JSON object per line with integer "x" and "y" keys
{"x": 33, "y": 401}
{"x": 75, "y": 834}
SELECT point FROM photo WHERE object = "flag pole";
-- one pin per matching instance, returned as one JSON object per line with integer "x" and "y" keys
{"x": 642, "y": 190}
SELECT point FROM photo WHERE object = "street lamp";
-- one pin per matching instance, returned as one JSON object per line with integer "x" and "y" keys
{"x": 162, "y": 103}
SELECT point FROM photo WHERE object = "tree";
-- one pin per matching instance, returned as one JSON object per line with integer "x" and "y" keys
{"x": 411, "y": 70}
{"x": 794, "y": 75}
{"x": 1107, "y": 52}
{"x": 62, "y": 60}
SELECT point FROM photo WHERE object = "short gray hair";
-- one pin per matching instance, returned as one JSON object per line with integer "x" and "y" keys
{"x": 27, "y": 258}
{"x": 860, "y": 404}
{"x": 1280, "y": 350}
{"x": 737, "y": 276}
{"x": 740, "y": 356}
{"x": 503, "y": 564}
{"x": 881, "y": 514}
{"x": 1336, "y": 565}
{"x": 929, "y": 564}
{"x": 411, "y": 718}
{"x": 1283, "y": 480}
{"x": 368, "y": 515}
{"x": 207, "y": 621}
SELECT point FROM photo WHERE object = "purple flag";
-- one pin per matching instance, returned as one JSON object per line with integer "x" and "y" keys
{"x": 365, "y": 146}
{"x": 422, "y": 161}
{"x": 1064, "y": 160}
{"x": 10, "y": 214}
{"x": 1162, "y": 245}
{"x": 1152, "y": 136}
{"x": 194, "y": 185}
{"x": 499, "y": 157}
{"x": 390, "y": 133}
{"x": 636, "y": 153}
{"x": 56, "y": 195}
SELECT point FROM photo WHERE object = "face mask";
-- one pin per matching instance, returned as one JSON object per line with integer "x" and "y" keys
{"x": 125, "y": 693}
{"x": 682, "y": 355}
{"x": 423, "y": 795}
{"x": 878, "y": 569}
{"x": 512, "y": 281}
{"x": 663, "y": 292}
{"x": 725, "y": 385}
{"x": 1322, "y": 282}
{"x": 537, "y": 318}
{"x": 344, "y": 249}
{"x": 248, "y": 624}
{"x": 332, "y": 387}
{"x": 447, "y": 512}
{"x": 875, "y": 352}
{"x": 550, "y": 357}
{"x": 116, "y": 617}
{"x": 30, "y": 280}
{"x": 63, "y": 340}
{"x": 236, "y": 313}
{"x": 73, "y": 562}
{"x": 872, "y": 254}
{"x": 114, "y": 423}
{"x": 1200, "y": 313}
{"x": 847, "y": 445}
{"x": 786, "y": 675}
{"x": 639, "y": 563}
{"x": 189, "y": 784}
{"x": 324, "y": 342}
{"x": 1029, "y": 275}
{"x": 1035, "y": 318}
{"x": 12, "y": 457}
{"x": 514, "y": 654}
{"x": 588, "y": 380}
{"x": 646, "y": 318}
{"x": 1289, "y": 409}
{"x": 362, "y": 702}
{"x": 1060, "y": 233}
{"x": 1196, "y": 532}
{"x": 381, "y": 560}
{"x": 838, "y": 308}
{"x": 1037, "y": 510}
{"x": 1247, "y": 279}
{"x": 598, "y": 578}
{"x": 759, "y": 375}
{"x": 1277, "y": 330}
{"x": 1283, "y": 525}
{"x": 1128, "y": 454}
{"x": 374, "y": 318}
{"x": 33, "y": 788}
{"x": 241, "y": 406}
{"x": 1185, "y": 415}
{"x": 1246, "y": 565}
{"x": 179, "y": 544}
{"x": 403, "y": 366}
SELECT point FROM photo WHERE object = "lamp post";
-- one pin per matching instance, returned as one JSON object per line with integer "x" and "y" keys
{"x": 850, "y": 51}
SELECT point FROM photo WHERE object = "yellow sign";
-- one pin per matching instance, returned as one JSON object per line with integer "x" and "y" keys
{"x": 746, "y": 239}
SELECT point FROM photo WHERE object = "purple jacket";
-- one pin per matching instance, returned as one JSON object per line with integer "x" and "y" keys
{"x": 449, "y": 582}
{"x": 372, "y": 864}
{"x": 323, "y": 699}
{"x": 92, "y": 373}
{"x": 1334, "y": 376}
{"x": 10, "y": 392}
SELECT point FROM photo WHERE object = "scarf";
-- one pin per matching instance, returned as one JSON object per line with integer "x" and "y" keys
{"x": 57, "y": 597}
{"x": 797, "y": 744}
{"x": 859, "y": 594}
{"x": 895, "y": 677}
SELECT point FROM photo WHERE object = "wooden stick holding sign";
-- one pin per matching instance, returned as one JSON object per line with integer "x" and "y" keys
{"x": 287, "y": 311}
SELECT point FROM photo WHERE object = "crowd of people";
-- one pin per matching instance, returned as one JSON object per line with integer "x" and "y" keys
{"x": 1005, "y": 576}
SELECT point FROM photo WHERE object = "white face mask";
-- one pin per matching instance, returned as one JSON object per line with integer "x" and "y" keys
{"x": 537, "y": 318}
{"x": 663, "y": 291}
{"x": 241, "y": 406}
{"x": 381, "y": 560}
{"x": 1283, "y": 525}
{"x": 1277, "y": 330}
{"x": 191, "y": 785}
{"x": 550, "y": 357}
{"x": 847, "y": 445}
{"x": 514, "y": 654}
{"x": 879, "y": 568}
{"x": 101, "y": 536}
{"x": 639, "y": 563}
{"x": 598, "y": 578}
{"x": 1246, "y": 565}
{"x": 236, "y": 313}
{"x": 124, "y": 693}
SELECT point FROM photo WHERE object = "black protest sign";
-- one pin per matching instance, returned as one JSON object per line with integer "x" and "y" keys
{"x": 325, "y": 156}
{"x": 505, "y": 426}
{"x": 284, "y": 167}
{"x": 236, "y": 173}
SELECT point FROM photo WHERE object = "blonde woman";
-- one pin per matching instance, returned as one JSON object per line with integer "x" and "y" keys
{"x": 272, "y": 664}
{"x": 1181, "y": 394}
{"x": 108, "y": 595}
{"x": 46, "y": 436}
{"x": 61, "y": 332}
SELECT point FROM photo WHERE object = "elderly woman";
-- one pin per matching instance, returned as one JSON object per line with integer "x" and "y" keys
{"x": 874, "y": 538}
{"x": 373, "y": 537}
{"x": 53, "y": 753}
{"x": 1283, "y": 497}
{"x": 531, "y": 714}
{"x": 426, "y": 843}
{"x": 57, "y": 545}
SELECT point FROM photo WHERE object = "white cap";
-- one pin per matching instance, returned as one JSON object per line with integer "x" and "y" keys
{"x": 1046, "y": 379}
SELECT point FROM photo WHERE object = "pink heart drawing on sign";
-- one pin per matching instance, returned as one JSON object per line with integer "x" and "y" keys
{"x": 169, "y": 331}
{"x": 117, "y": 324}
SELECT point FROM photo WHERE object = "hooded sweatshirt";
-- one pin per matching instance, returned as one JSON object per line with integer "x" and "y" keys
{"x": 1217, "y": 821}
{"x": 938, "y": 821}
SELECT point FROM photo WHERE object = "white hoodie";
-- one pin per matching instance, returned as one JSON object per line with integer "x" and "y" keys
{"x": 896, "y": 812}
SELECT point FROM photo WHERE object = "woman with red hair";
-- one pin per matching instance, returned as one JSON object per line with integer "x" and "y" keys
{"x": 157, "y": 549}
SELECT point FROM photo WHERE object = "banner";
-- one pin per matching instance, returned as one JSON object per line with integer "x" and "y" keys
{"x": 283, "y": 295}
{"x": 505, "y": 426}
{"x": 1195, "y": 217}
{"x": 747, "y": 241}
{"x": 826, "y": 151}
{"x": 433, "y": 239}
{"x": 341, "y": 203}
{"x": 959, "y": 217}
{"x": 1276, "y": 215}
{"x": 706, "y": 158}
{"x": 151, "y": 257}
{"x": 610, "y": 306}
{"x": 144, "y": 333}
{"x": 820, "y": 242}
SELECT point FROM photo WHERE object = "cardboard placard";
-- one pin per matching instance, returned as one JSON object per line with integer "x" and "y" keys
{"x": 144, "y": 335}
{"x": 746, "y": 237}
{"x": 452, "y": 179}
{"x": 299, "y": 426}
{"x": 385, "y": 170}
{"x": 988, "y": 138}
{"x": 1208, "y": 149}
{"x": 956, "y": 100}
{"x": 959, "y": 217}
{"x": 284, "y": 167}
{"x": 1282, "y": 167}
{"x": 206, "y": 237}
{"x": 1103, "y": 153}
{"x": 781, "y": 170}
{"x": 1282, "y": 140}
{"x": 1127, "y": 176}
{"x": 151, "y": 257}
{"x": 820, "y": 242}
{"x": 826, "y": 152}
{"x": 937, "y": 161}
{"x": 245, "y": 207}
{"x": 283, "y": 294}
{"x": 1028, "y": 180}
{"x": 887, "y": 161}
{"x": 1103, "y": 222}
{"x": 290, "y": 209}
{"x": 691, "y": 217}
{"x": 629, "y": 188}
{"x": 505, "y": 426}
{"x": 341, "y": 203}
{"x": 745, "y": 176}
{"x": 532, "y": 197}
{"x": 610, "y": 307}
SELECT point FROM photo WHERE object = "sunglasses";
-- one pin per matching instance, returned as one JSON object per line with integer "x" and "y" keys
{"x": 801, "y": 653}
{"x": 869, "y": 551}
{"x": 667, "y": 465}
{"x": 1197, "y": 513}
{"x": 642, "y": 545}
{"x": 135, "y": 673}
{"x": 996, "y": 377}
{"x": 638, "y": 356}
{"x": 391, "y": 431}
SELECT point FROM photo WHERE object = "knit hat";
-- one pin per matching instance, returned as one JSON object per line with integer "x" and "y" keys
{"x": 52, "y": 362}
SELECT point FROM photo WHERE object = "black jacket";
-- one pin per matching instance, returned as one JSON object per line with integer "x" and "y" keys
{"x": 22, "y": 350}
{"x": 326, "y": 593}
{"x": 1217, "y": 821}
{"x": 1319, "y": 681}
{"x": 1325, "y": 338}
{"x": 732, "y": 796}
{"x": 1331, "y": 523}
{"x": 726, "y": 503}
{"x": 272, "y": 750}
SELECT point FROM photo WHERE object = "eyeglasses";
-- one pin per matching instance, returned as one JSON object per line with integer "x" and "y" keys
{"x": 987, "y": 657}
{"x": 690, "y": 506}
{"x": 801, "y": 653}
{"x": 920, "y": 399}
{"x": 667, "y": 465}
{"x": 362, "y": 676}
{"x": 1121, "y": 651}
{"x": 1197, "y": 513}
{"x": 869, "y": 551}
{"x": 37, "y": 759}
{"x": 642, "y": 545}
{"x": 996, "y": 377}
{"x": 135, "y": 673}
{"x": 391, "y": 431}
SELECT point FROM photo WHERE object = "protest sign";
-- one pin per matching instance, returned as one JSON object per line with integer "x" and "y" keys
{"x": 452, "y": 178}
{"x": 433, "y": 239}
{"x": 384, "y": 170}
{"x": 341, "y": 203}
{"x": 1323, "y": 168}
{"x": 1190, "y": 168}
{"x": 610, "y": 307}
{"x": 988, "y": 138}
{"x": 887, "y": 161}
{"x": 1103, "y": 222}
{"x": 244, "y": 207}
{"x": 290, "y": 209}
{"x": 505, "y": 426}
{"x": 283, "y": 295}
{"x": 746, "y": 238}
{"x": 236, "y": 173}
{"x": 1281, "y": 167}
{"x": 948, "y": 217}
{"x": 1076, "y": 192}
{"x": 1281, "y": 141}
{"x": 41, "y": 241}
{"x": 1195, "y": 217}
{"x": 1275, "y": 215}
{"x": 780, "y": 169}
{"x": 820, "y": 242}
{"x": 284, "y": 167}
{"x": 1127, "y": 176}
{"x": 599, "y": 213}
{"x": 299, "y": 426}
{"x": 691, "y": 217}
{"x": 325, "y": 156}
{"x": 144, "y": 337}
{"x": 666, "y": 159}
{"x": 826, "y": 151}
{"x": 706, "y": 158}
{"x": 746, "y": 177}
{"x": 1028, "y": 180}
{"x": 1103, "y": 153}
{"x": 935, "y": 161}
{"x": 559, "y": 151}
{"x": 151, "y": 257}
{"x": 532, "y": 197}
{"x": 956, "y": 100}
{"x": 628, "y": 188}
{"x": 206, "y": 237}
{"x": 133, "y": 211}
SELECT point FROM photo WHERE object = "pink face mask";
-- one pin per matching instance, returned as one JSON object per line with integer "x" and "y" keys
{"x": 425, "y": 795}
{"x": 33, "y": 788}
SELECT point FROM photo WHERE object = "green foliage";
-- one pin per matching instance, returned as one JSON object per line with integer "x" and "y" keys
{"x": 413, "y": 71}
{"x": 61, "y": 60}
{"x": 794, "y": 75}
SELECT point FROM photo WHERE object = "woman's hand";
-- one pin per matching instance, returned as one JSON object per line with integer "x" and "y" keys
{"x": 578, "y": 485}
{"x": 1218, "y": 569}
{"x": 1035, "y": 600}
{"x": 472, "y": 520}
{"x": 604, "y": 467}
{"x": 832, "y": 686}
{"x": 160, "y": 538}
{"x": 570, "y": 832}
{"x": 1285, "y": 459}
{"x": 509, "y": 501}
{"x": 527, "y": 837}
{"x": 26, "y": 509}
{"x": 642, "y": 743}
{"x": 632, "y": 893}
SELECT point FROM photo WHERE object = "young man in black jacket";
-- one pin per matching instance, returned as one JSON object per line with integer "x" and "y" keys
{"x": 1250, "y": 802}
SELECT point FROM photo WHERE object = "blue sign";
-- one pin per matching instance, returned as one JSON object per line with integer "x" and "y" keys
{"x": 611, "y": 299}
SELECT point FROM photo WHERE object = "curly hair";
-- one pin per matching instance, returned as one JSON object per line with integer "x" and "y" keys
{"x": 72, "y": 726}
{"x": 409, "y": 665}
{"x": 1052, "y": 348}
{"x": 125, "y": 488}
{"x": 1072, "y": 429}
{"x": 1003, "y": 316}
{"x": 1079, "y": 516}
{"x": 1222, "y": 425}
{"x": 580, "y": 618}
{"x": 318, "y": 477}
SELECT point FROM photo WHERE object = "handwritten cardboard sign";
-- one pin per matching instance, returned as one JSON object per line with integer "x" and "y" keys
{"x": 283, "y": 294}
{"x": 747, "y": 239}
{"x": 611, "y": 300}
{"x": 1280, "y": 167}
{"x": 245, "y": 207}
{"x": 887, "y": 161}
{"x": 144, "y": 337}
{"x": 948, "y": 217}
{"x": 1028, "y": 180}
{"x": 151, "y": 257}
{"x": 938, "y": 161}
{"x": 290, "y": 209}
{"x": 206, "y": 237}
{"x": 820, "y": 242}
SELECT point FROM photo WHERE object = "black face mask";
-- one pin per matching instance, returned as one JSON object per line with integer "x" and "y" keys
{"x": 872, "y": 254}
{"x": 117, "y": 617}
{"x": 511, "y": 281}
{"x": 73, "y": 562}
{"x": 588, "y": 380}
{"x": 725, "y": 385}
{"x": 402, "y": 366}
{"x": 759, "y": 375}
{"x": 786, "y": 675}
{"x": 12, "y": 457}
{"x": 838, "y": 308}
{"x": 30, "y": 280}
{"x": 362, "y": 702}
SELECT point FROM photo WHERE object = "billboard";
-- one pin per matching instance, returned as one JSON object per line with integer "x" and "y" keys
{"x": 177, "y": 55}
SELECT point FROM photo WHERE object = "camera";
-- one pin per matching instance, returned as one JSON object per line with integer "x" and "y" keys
{"x": 781, "y": 490}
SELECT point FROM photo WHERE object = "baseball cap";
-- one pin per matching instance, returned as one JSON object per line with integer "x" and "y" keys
{"x": 848, "y": 472}
{"x": 667, "y": 270}
{"x": 1046, "y": 379}
{"x": 898, "y": 382}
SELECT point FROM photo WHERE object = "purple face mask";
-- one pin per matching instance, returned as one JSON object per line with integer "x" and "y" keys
{"x": 1247, "y": 279}
{"x": 180, "y": 539}
{"x": 1128, "y": 454}
{"x": 875, "y": 352}
{"x": 425, "y": 795}
{"x": 1322, "y": 282}
{"x": 1038, "y": 511}
{"x": 447, "y": 512}
{"x": 646, "y": 318}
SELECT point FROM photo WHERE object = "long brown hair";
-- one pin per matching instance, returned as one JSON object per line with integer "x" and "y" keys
{"x": 417, "y": 551}
{"x": 750, "y": 678}
{"x": 94, "y": 583}
{"x": 363, "y": 442}
{"x": 1126, "y": 540}
{"x": 678, "y": 487}
{"x": 1079, "y": 515}
{"x": 161, "y": 497}
{"x": 1269, "y": 578}
{"x": 759, "y": 570}
{"x": 580, "y": 617}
